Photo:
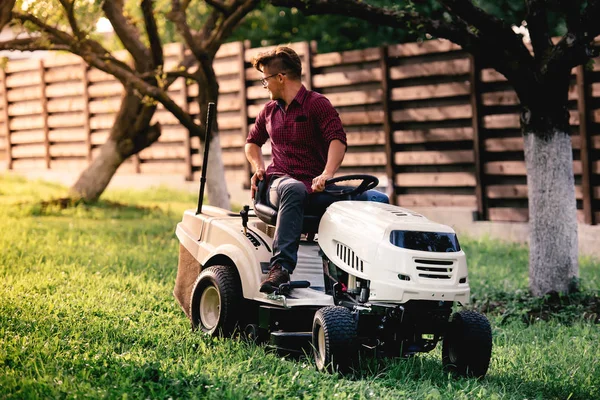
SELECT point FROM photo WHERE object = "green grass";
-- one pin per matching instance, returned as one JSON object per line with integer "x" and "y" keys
{"x": 86, "y": 310}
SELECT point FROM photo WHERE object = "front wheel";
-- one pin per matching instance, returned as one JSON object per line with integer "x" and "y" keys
{"x": 334, "y": 339}
{"x": 216, "y": 297}
{"x": 467, "y": 346}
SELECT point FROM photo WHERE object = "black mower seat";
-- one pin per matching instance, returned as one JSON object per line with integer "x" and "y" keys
{"x": 267, "y": 213}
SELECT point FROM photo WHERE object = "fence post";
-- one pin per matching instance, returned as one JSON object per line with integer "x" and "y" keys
{"x": 85, "y": 81}
{"x": 44, "y": 101}
{"x": 6, "y": 119}
{"x": 244, "y": 107}
{"x": 387, "y": 123}
{"x": 478, "y": 139}
{"x": 308, "y": 62}
{"x": 187, "y": 141}
{"x": 585, "y": 122}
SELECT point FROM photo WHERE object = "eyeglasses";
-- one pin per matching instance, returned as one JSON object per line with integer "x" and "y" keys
{"x": 264, "y": 80}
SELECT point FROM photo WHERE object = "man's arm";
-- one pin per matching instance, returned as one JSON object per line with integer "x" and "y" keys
{"x": 335, "y": 156}
{"x": 254, "y": 156}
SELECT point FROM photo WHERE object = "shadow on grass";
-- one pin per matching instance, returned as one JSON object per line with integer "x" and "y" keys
{"x": 566, "y": 309}
{"x": 105, "y": 208}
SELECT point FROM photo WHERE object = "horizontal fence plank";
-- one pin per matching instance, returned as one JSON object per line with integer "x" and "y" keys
{"x": 347, "y": 57}
{"x": 72, "y": 73}
{"x": 434, "y": 157}
{"x": 430, "y": 91}
{"x": 24, "y": 137}
{"x": 30, "y": 122}
{"x": 516, "y": 168}
{"x": 433, "y": 135}
{"x": 508, "y": 214}
{"x": 441, "y": 179}
{"x": 66, "y": 120}
{"x": 25, "y": 108}
{"x": 68, "y": 150}
{"x": 451, "y": 67}
{"x": 105, "y": 89}
{"x": 67, "y": 135}
{"x": 29, "y": 150}
{"x": 432, "y": 113}
{"x": 24, "y": 78}
{"x": 347, "y": 78}
{"x": 425, "y": 47}
{"x": 364, "y": 159}
{"x": 436, "y": 200}
{"x": 23, "y": 94}
{"x": 66, "y": 104}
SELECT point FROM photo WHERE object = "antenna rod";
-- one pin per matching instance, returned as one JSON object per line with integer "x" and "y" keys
{"x": 210, "y": 117}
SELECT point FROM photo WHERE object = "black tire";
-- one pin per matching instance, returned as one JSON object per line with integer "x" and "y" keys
{"x": 334, "y": 339}
{"x": 216, "y": 299}
{"x": 467, "y": 346}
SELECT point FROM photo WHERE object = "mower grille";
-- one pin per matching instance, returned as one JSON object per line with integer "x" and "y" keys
{"x": 434, "y": 269}
{"x": 347, "y": 255}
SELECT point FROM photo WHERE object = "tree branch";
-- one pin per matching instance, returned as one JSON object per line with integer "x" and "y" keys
{"x": 218, "y": 36}
{"x": 152, "y": 32}
{"x": 488, "y": 25}
{"x": 537, "y": 24}
{"x": 220, "y": 6}
{"x": 6, "y": 7}
{"x": 127, "y": 33}
{"x": 177, "y": 16}
{"x": 31, "y": 44}
{"x": 69, "y": 9}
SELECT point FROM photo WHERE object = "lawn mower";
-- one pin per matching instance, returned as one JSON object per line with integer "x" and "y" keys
{"x": 372, "y": 278}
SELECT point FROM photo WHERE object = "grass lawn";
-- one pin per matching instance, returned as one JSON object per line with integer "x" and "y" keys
{"x": 86, "y": 310}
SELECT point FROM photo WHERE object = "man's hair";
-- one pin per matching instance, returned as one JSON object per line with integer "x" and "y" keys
{"x": 281, "y": 59}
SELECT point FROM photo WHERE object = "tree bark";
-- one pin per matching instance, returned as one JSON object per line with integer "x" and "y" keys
{"x": 216, "y": 188}
{"x": 553, "y": 252}
{"x": 131, "y": 133}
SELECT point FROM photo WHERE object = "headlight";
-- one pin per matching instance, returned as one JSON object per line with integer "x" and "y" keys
{"x": 439, "y": 242}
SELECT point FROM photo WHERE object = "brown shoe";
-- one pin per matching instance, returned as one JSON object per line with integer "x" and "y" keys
{"x": 277, "y": 276}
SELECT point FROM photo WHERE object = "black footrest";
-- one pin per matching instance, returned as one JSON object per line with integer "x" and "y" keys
{"x": 286, "y": 288}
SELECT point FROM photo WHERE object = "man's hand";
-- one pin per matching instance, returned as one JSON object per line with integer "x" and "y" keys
{"x": 259, "y": 175}
{"x": 318, "y": 184}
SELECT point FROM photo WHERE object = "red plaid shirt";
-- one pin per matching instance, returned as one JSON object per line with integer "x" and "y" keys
{"x": 300, "y": 136}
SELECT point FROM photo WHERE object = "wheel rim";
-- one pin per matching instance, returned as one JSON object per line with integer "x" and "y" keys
{"x": 320, "y": 359}
{"x": 210, "y": 307}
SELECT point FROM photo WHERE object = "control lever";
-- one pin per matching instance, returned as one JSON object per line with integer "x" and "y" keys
{"x": 244, "y": 215}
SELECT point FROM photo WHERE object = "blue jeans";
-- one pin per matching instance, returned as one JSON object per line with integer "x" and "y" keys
{"x": 292, "y": 200}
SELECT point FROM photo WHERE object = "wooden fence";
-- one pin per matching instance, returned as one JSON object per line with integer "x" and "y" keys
{"x": 422, "y": 117}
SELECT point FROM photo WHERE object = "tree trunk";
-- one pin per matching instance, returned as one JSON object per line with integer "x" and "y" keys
{"x": 131, "y": 133}
{"x": 553, "y": 253}
{"x": 216, "y": 185}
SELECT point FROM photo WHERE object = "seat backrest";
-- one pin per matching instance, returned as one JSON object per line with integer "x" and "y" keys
{"x": 267, "y": 213}
{"x": 263, "y": 208}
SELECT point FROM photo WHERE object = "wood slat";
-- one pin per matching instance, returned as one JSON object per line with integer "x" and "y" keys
{"x": 178, "y": 168}
{"x": 25, "y": 108}
{"x": 425, "y": 47}
{"x": 106, "y": 89}
{"x": 361, "y": 117}
{"x": 66, "y": 120}
{"x": 24, "y": 78}
{"x": 162, "y": 152}
{"x": 347, "y": 57}
{"x": 25, "y": 137}
{"x": 68, "y": 150}
{"x": 67, "y": 135}
{"x": 347, "y": 78}
{"x": 432, "y": 113}
{"x": 516, "y": 168}
{"x": 445, "y": 179}
{"x": 364, "y": 159}
{"x": 434, "y": 157}
{"x": 29, "y": 164}
{"x": 437, "y": 200}
{"x": 433, "y": 135}
{"x": 60, "y": 60}
{"x": 102, "y": 122}
{"x": 355, "y": 98}
{"x": 508, "y": 214}
{"x": 365, "y": 138}
{"x": 430, "y": 91}
{"x": 69, "y": 104}
{"x": 54, "y": 75}
{"x": 64, "y": 89}
{"x": 16, "y": 66}
{"x": 451, "y": 67}
{"x": 105, "y": 106}
{"x": 24, "y": 94}
{"x": 30, "y": 122}
{"x": 29, "y": 150}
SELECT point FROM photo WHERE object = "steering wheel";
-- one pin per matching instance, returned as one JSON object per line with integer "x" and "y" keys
{"x": 368, "y": 182}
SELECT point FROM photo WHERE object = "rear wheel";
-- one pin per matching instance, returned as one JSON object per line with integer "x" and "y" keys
{"x": 334, "y": 339}
{"x": 216, "y": 298}
{"x": 467, "y": 346}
